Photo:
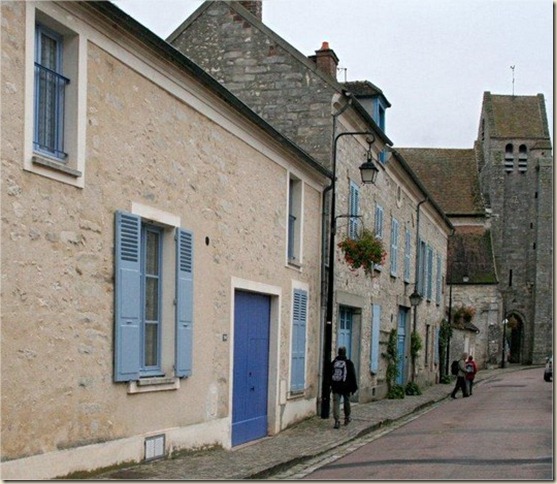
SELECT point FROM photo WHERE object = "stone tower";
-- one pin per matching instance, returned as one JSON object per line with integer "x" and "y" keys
{"x": 515, "y": 166}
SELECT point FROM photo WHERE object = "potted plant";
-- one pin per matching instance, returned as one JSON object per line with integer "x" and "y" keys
{"x": 365, "y": 251}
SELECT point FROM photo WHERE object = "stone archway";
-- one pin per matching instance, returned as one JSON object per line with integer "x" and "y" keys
{"x": 515, "y": 338}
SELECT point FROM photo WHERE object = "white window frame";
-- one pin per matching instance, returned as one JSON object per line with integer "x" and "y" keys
{"x": 72, "y": 169}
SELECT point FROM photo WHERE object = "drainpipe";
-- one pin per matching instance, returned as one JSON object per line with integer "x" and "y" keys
{"x": 418, "y": 254}
{"x": 326, "y": 335}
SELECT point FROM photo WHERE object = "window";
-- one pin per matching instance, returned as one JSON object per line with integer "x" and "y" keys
{"x": 394, "y": 247}
{"x": 50, "y": 89}
{"x": 438, "y": 280}
{"x": 378, "y": 228}
{"x": 375, "y": 332}
{"x": 144, "y": 313}
{"x": 509, "y": 158}
{"x": 294, "y": 220}
{"x": 420, "y": 283}
{"x": 55, "y": 95}
{"x": 522, "y": 158}
{"x": 429, "y": 273}
{"x": 379, "y": 221}
{"x": 436, "y": 347}
{"x": 407, "y": 249}
{"x": 354, "y": 211}
{"x": 299, "y": 323}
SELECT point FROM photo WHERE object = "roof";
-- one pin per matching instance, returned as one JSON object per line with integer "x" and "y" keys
{"x": 364, "y": 89}
{"x": 516, "y": 116}
{"x": 470, "y": 255}
{"x": 122, "y": 20}
{"x": 450, "y": 175}
{"x": 251, "y": 19}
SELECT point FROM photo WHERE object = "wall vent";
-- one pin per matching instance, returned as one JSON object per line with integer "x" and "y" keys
{"x": 154, "y": 447}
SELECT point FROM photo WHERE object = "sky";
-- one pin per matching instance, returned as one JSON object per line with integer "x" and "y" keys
{"x": 433, "y": 59}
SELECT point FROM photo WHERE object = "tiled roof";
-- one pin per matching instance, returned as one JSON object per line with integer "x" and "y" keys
{"x": 516, "y": 116}
{"x": 363, "y": 89}
{"x": 450, "y": 175}
{"x": 470, "y": 255}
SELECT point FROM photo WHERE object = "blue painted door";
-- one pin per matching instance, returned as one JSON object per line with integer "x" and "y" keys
{"x": 251, "y": 366}
{"x": 345, "y": 330}
{"x": 401, "y": 333}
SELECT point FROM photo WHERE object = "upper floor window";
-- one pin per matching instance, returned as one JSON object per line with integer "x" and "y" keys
{"x": 407, "y": 249}
{"x": 354, "y": 211}
{"x": 294, "y": 220}
{"x": 55, "y": 94}
{"x": 50, "y": 90}
{"x": 394, "y": 247}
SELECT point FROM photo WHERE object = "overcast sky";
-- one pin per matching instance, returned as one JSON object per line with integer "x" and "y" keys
{"x": 433, "y": 59}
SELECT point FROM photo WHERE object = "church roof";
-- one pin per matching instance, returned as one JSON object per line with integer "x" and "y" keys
{"x": 450, "y": 175}
{"x": 470, "y": 256}
{"x": 515, "y": 116}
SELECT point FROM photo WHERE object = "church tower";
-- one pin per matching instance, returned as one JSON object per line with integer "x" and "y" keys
{"x": 516, "y": 170}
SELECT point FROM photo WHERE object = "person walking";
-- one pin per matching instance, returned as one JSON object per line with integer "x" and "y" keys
{"x": 461, "y": 377}
{"x": 343, "y": 384}
{"x": 471, "y": 370}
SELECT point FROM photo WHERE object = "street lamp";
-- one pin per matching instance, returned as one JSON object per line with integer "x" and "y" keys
{"x": 368, "y": 172}
{"x": 415, "y": 300}
{"x": 503, "y": 356}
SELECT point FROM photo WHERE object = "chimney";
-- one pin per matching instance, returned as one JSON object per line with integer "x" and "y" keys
{"x": 326, "y": 60}
{"x": 255, "y": 8}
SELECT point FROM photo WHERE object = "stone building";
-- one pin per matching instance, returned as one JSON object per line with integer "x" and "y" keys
{"x": 149, "y": 288}
{"x": 301, "y": 97}
{"x": 499, "y": 197}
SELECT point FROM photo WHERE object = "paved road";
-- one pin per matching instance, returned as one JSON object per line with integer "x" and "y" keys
{"x": 503, "y": 431}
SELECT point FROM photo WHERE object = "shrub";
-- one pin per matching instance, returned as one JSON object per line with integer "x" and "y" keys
{"x": 396, "y": 392}
{"x": 412, "y": 388}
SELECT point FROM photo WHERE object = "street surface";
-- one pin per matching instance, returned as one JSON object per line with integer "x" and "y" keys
{"x": 504, "y": 431}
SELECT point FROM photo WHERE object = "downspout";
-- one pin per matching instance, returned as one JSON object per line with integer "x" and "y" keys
{"x": 418, "y": 255}
{"x": 448, "y": 348}
{"x": 326, "y": 226}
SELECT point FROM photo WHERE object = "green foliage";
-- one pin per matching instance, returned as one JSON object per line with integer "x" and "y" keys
{"x": 396, "y": 392}
{"x": 464, "y": 313}
{"x": 391, "y": 355}
{"x": 445, "y": 379}
{"x": 365, "y": 251}
{"x": 412, "y": 388}
{"x": 415, "y": 344}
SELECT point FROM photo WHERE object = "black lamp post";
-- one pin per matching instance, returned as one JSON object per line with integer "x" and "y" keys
{"x": 368, "y": 172}
{"x": 415, "y": 300}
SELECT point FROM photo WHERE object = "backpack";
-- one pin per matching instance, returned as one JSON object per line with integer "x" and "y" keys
{"x": 454, "y": 367}
{"x": 339, "y": 370}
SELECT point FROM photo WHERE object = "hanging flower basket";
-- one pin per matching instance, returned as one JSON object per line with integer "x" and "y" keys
{"x": 364, "y": 251}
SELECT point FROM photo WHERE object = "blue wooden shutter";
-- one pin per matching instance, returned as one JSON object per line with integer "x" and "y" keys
{"x": 394, "y": 247}
{"x": 407, "y": 246}
{"x": 420, "y": 254}
{"x": 429, "y": 273}
{"x": 436, "y": 347}
{"x": 438, "y": 280}
{"x": 379, "y": 221}
{"x": 299, "y": 322}
{"x": 374, "y": 345}
{"x": 127, "y": 297}
{"x": 184, "y": 302}
{"x": 354, "y": 209}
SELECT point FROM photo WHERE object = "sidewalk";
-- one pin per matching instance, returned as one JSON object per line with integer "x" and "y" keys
{"x": 292, "y": 446}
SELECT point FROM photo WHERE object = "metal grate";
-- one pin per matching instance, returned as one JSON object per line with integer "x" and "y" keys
{"x": 154, "y": 447}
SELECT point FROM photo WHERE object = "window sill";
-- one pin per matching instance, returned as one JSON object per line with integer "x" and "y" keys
{"x": 154, "y": 384}
{"x": 294, "y": 264}
{"x": 298, "y": 394}
{"x": 55, "y": 165}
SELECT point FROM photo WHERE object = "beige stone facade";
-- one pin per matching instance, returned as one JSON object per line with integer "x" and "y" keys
{"x": 151, "y": 139}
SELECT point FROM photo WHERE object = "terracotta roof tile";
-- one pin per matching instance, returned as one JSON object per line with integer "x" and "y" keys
{"x": 450, "y": 175}
{"x": 516, "y": 116}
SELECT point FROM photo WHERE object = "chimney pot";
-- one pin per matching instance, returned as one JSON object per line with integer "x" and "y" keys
{"x": 326, "y": 60}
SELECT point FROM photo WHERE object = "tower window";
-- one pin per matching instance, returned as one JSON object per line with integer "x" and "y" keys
{"x": 509, "y": 158}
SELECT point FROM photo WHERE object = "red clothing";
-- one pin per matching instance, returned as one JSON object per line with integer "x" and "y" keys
{"x": 471, "y": 374}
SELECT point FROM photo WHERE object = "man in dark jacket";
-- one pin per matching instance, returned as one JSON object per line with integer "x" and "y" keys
{"x": 461, "y": 377}
{"x": 343, "y": 384}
